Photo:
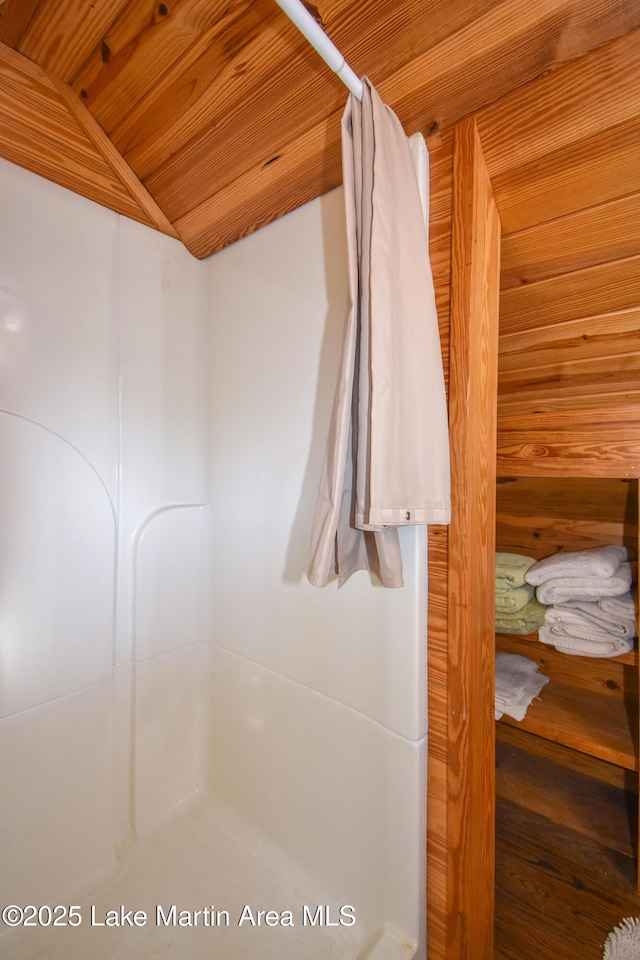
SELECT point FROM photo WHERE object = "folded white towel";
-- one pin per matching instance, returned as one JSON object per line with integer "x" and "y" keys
{"x": 518, "y": 681}
{"x": 584, "y": 646}
{"x": 561, "y": 589}
{"x": 582, "y": 612}
{"x": 594, "y": 562}
{"x": 623, "y": 607}
{"x": 515, "y": 599}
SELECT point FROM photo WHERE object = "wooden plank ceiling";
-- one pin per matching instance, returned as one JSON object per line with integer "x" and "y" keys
{"x": 568, "y": 194}
{"x": 209, "y": 118}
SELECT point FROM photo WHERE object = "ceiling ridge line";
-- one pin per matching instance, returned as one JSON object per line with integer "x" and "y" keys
{"x": 132, "y": 184}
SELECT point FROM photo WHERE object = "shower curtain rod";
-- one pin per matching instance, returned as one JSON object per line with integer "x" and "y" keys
{"x": 320, "y": 42}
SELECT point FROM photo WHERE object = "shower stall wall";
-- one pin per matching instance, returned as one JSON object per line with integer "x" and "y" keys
{"x": 185, "y": 721}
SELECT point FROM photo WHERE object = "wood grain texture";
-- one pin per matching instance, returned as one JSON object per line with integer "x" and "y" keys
{"x": 140, "y": 47}
{"x": 145, "y": 202}
{"x": 608, "y": 335}
{"x": 593, "y": 291}
{"x": 551, "y": 114}
{"x": 576, "y": 452}
{"x": 507, "y": 47}
{"x": 598, "y": 501}
{"x": 560, "y": 890}
{"x": 613, "y": 678}
{"x": 15, "y": 19}
{"x": 40, "y": 132}
{"x": 588, "y": 722}
{"x": 207, "y": 91}
{"x": 591, "y": 236}
{"x": 557, "y": 753}
{"x": 564, "y": 795}
{"x": 441, "y": 171}
{"x": 277, "y": 175}
{"x": 586, "y": 174}
{"x": 198, "y": 96}
{"x": 474, "y": 345}
{"x": 271, "y": 70}
{"x": 541, "y": 516}
{"x": 63, "y": 33}
{"x": 437, "y": 755}
{"x": 235, "y": 121}
{"x": 439, "y": 74}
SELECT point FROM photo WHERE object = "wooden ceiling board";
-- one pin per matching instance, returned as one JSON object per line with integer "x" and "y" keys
{"x": 238, "y": 139}
{"x": 596, "y": 234}
{"x": 228, "y": 118}
{"x": 589, "y": 173}
{"x": 444, "y": 75}
{"x": 198, "y": 91}
{"x": 232, "y": 213}
{"x": 149, "y": 211}
{"x": 15, "y": 19}
{"x": 608, "y": 82}
{"x": 142, "y": 45}
{"x": 38, "y": 132}
{"x": 500, "y": 52}
{"x": 221, "y": 88}
{"x": 63, "y": 33}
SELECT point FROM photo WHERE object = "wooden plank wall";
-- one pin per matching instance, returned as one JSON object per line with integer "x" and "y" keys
{"x": 569, "y": 344}
{"x": 569, "y": 200}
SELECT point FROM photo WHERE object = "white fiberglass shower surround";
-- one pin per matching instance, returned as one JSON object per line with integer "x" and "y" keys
{"x": 201, "y": 755}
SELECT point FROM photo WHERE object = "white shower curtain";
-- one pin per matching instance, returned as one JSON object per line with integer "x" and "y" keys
{"x": 387, "y": 457}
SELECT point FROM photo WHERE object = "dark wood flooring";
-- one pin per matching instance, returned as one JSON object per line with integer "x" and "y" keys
{"x": 565, "y": 867}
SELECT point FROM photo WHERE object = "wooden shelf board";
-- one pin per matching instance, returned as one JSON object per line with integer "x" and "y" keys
{"x": 590, "y": 722}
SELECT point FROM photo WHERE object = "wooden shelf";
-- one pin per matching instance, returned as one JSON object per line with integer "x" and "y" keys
{"x": 594, "y": 723}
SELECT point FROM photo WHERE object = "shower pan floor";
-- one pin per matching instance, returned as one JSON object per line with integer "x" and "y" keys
{"x": 195, "y": 890}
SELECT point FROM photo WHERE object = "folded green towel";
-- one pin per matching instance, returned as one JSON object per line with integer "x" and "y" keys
{"x": 510, "y": 570}
{"x": 510, "y": 601}
{"x": 527, "y": 620}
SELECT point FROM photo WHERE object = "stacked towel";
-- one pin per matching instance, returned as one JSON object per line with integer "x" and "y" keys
{"x": 581, "y": 575}
{"x": 514, "y": 600}
{"x": 591, "y": 612}
{"x": 571, "y": 632}
{"x": 516, "y": 609}
{"x": 518, "y": 681}
{"x": 561, "y": 589}
{"x": 510, "y": 570}
{"x": 527, "y": 620}
{"x": 616, "y": 615}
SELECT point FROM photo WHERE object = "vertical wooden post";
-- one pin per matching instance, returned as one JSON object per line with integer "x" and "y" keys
{"x": 475, "y": 283}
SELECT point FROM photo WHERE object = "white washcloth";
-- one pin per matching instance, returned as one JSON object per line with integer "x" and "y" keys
{"x": 585, "y": 645}
{"x": 518, "y": 681}
{"x": 515, "y": 599}
{"x": 561, "y": 589}
{"x": 593, "y": 614}
{"x": 595, "y": 562}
